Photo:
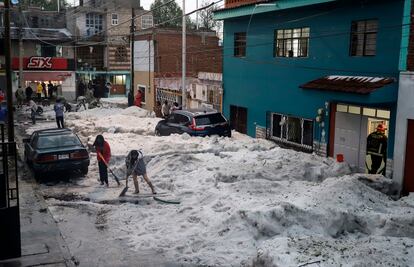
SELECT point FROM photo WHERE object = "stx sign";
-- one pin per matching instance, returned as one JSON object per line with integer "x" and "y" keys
{"x": 43, "y": 63}
{"x": 40, "y": 63}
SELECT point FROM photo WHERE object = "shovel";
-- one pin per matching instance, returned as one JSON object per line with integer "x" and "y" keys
{"x": 106, "y": 163}
{"x": 125, "y": 189}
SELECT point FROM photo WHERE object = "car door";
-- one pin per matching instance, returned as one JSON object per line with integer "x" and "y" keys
{"x": 172, "y": 126}
{"x": 182, "y": 122}
{"x": 30, "y": 147}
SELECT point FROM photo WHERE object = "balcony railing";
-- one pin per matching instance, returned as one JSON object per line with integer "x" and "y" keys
{"x": 236, "y": 3}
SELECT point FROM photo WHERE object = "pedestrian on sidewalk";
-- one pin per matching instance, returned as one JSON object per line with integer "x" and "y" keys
{"x": 19, "y": 97}
{"x": 103, "y": 153}
{"x": 136, "y": 166}
{"x": 39, "y": 90}
{"x": 59, "y": 111}
{"x": 33, "y": 110}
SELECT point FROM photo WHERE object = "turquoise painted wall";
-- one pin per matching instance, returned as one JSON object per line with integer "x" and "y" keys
{"x": 263, "y": 83}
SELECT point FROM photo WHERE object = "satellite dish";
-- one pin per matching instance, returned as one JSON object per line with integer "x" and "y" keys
{"x": 14, "y": 2}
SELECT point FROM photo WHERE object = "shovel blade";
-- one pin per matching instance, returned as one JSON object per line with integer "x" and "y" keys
{"x": 123, "y": 191}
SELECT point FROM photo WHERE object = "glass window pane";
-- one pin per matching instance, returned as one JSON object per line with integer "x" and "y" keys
{"x": 294, "y": 130}
{"x": 354, "y": 110}
{"x": 305, "y": 32}
{"x": 308, "y": 132}
{"x": 369, "y": 112}
{"x": 341, "y": 108}
{"x": 386, "y": 114}
{"x": 280, "y": 34}
{"x": 296, "y": 33}
{"x": 288, "y": 33}
{"x": 276, "y": 129}
{"x": 372, "y": 25}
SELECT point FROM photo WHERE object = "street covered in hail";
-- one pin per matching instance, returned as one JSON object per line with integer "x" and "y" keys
{"x": 233, "y": 201}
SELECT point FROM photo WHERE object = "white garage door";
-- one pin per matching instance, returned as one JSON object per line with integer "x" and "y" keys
{"x": 347, "y": 137}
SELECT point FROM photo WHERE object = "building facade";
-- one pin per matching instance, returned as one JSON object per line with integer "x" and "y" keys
{"x": 317, "y": 76}
{"x": 103, "y": 53}
{"x": 158, "y": 65}
{"x": 46, "y": 50}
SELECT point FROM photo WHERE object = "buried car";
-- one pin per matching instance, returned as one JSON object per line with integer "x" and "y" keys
{"x": 195, "y": 122}
{"x": 53, "y": 150}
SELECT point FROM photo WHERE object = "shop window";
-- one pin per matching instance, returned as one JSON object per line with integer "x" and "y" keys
{"x": 364, "y": 38}
{"x": 240, "y": 44}
{"x": 59, "y": 51}
{"x": 119, "y": 79}
{"x": 342, "y": 108}
{"x": 354, "y": 110}
{"x": 292, "y": 130}
{"x": 291, "y": 42}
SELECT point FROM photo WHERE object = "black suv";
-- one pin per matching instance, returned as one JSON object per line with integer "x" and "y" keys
{"x": 195, "y": 122}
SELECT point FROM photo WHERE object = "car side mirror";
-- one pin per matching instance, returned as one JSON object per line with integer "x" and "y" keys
{"x": 26, "y": 140}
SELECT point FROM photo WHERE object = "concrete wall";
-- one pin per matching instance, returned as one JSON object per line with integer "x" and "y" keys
{"x": 405, "y": 111}
{"x": 145, "y": 78}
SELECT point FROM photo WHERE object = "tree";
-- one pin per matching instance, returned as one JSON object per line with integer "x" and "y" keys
{"x": 49, "y": 5}
{"x": 206, "y": 17}
{"x": 168, "y": 15}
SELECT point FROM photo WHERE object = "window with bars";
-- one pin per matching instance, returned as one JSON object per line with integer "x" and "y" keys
{"x": 114, "y": 19}
{"x": 364, "y": 38}
{"x": 292, "y": 130}
{"x": 147, "y": 21}
{"x": 292, "y": 42}
{"x": 121, "y": 54}
{"x": 240, "y": 44}
{"x": 94, "y": 23}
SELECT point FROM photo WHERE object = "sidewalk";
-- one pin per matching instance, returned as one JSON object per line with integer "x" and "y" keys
{"x": 42, "y": 243}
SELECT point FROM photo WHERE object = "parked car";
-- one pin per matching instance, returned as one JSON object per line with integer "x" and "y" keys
{"x": 53, "y": 150}
{"x": 195, "y": 122}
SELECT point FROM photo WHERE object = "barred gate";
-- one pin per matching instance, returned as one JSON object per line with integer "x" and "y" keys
{"x": 171, "y": 96}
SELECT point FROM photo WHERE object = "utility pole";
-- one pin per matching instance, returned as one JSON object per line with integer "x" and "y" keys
{"x": 21, "y": 49}
{"x": 9, "y": 91}
{"x": 197, "y": 15}
{"x": 132, "y": 40}
{"x": 184, "y": 55}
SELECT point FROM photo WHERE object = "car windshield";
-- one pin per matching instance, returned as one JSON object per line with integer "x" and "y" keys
{"x": 210, "y": 119}
{"x": 56, "y": 141}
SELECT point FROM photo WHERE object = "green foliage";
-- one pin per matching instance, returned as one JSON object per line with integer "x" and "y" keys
{"x": 50, "y": 5}
{"x": 170, "y": 15}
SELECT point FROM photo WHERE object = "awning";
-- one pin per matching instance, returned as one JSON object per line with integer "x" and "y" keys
{"x": 348, "y": 84}
{"x": 46, "y": 75}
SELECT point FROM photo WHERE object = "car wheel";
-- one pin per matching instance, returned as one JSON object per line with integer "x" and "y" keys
{"x": 157, "y": 132}
{"x": 37, "y": 175}
{"x": 84, "y": 170}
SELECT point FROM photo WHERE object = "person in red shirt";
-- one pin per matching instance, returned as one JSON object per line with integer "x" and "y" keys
{"x": 138, "y": 99}
{"x": 103, "y": 153}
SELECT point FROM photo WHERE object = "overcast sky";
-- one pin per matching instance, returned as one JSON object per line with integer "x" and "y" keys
{"x": 190, "y": 5}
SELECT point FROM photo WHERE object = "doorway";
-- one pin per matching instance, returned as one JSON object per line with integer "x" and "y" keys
{"x": 409, "y": 159}
{"x": 238, "y": 119}
{"x": 352, "y": 126}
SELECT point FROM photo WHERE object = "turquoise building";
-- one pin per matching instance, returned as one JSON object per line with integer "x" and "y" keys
{"x": 315, "y": 75}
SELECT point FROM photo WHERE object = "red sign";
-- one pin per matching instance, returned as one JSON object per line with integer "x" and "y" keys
{"x": 41, "y": 63}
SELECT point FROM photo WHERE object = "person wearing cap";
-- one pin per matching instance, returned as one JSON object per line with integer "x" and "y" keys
{"x": 136, "y": 166}
{"x": 377, "y": 150}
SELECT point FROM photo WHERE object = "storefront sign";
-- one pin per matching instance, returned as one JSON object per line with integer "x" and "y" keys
{"x": 44, "y": 63}
{"x": 40, "y": 63}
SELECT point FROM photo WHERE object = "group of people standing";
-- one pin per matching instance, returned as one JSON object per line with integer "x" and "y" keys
{"x": 93, "y": 88}
{"x": 164, "y": 110}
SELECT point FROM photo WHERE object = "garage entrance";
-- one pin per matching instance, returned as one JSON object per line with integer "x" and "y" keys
{"x": 353, "y": 124}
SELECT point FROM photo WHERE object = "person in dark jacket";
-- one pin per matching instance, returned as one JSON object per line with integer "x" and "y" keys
{"x": 136, "y": 166}
{"x": 103, "y": 153}
{"x": 130, "y": 98}
{"x": 81, "y": 89}
{"x": 50, "y": 89}
{"x": 59, "y": 110}
{"x": 28, "y": 92}
{"x": 377, "y": 150}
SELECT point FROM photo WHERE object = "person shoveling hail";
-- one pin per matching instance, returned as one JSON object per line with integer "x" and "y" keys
{"x": 136, "y": 166}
